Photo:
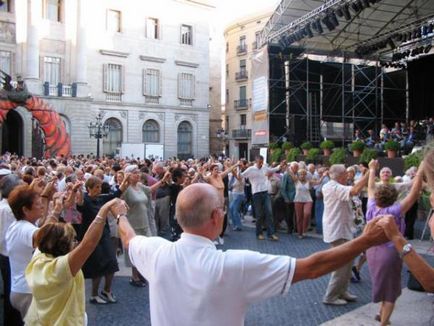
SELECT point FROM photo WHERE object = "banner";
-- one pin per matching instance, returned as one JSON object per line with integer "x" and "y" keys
{"x": 260, "y": 97}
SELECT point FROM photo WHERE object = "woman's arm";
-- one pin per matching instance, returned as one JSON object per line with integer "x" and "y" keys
{"x": 373, "y": 165}
{"x": 229, "y": 169}
{"x": 413, "y": 195}
{"x": 78, "y": 256}
{"x": 158, "y": 184}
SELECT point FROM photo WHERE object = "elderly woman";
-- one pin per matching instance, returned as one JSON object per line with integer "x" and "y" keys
{"x": 102, "y": 261}
{"x": 27, "y": 207}
{"x": 385, "y": 263}
{"x": 54, "y": 272}
{"x": 140, "y": 215}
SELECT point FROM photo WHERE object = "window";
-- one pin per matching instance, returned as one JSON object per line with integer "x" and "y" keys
{"x": 113, "y": 21}
{"x": 243, "y": 93}
{"x": 186, "y": 34}
{"x": 185, "y": 140}
{"x": 6, "y": 6}
{"x": 152, "y": 85}
{"x": 227, "y": 47}
{"x": 227, "y": 95}
{"x": 257, "y": 40}
{"x": 242, "y": 66}
{"x": 243, "y": 120}
{"x": 227, "y": 70}
{"x": 152, "y": 28}
{"x": 51, "y": 10}
{"x": 243, "y": 42}
{"x": 186, "y": 88}
{"x": 52, "y": 70}
{"x": 5, "y": 62}
{"x": 113, "y": 142}
{"x": 151, "y": 132}
{"x": 113, "y": 82}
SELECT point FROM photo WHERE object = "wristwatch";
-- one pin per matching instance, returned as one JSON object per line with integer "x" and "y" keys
{"x": 405, "y": 250}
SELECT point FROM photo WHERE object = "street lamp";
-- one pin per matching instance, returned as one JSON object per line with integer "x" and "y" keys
{"x": 98, "y": 130}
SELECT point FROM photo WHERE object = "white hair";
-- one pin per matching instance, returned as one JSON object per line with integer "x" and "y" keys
{"x": 130, "y": 168}
{"x": 336, "y": 171}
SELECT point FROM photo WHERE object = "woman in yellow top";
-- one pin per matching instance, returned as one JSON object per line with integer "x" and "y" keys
{"x": 54, "y": 273}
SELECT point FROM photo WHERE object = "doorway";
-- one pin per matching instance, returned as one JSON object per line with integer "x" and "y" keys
{"x": 243, "y": 151}
{"x": 12, "y": 133}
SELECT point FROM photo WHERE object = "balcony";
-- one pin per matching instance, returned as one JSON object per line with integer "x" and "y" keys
{"x": 242, "y": 49}
{"x": 255, "y": 45}
{"x": 243, "y": 133}
{"x": 242, "y": 104}
{"x": 60, "y": 90}
{"x": 113, "y": 97}
{"x": 241, "y": 75}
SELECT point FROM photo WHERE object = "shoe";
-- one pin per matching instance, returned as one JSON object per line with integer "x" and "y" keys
{"x": 261, "y": 237}
{"x": 97, "y": 300}
{"x": 337, "y": 302}
{"x": 348, "y": 297}
{"x": 237, "y": 228}
{"x": 216, "y": 242}
{"x": 274, "y": 237}
{"x": 301, "y": 236}
{"x": 108, "y": 296}
{"x": 378, "y": 318}
{"x": 354, "y": 280}
{"x": 221, "y": 241}
{"x": 138, "y": 283}
{"x": 356, "y": 273}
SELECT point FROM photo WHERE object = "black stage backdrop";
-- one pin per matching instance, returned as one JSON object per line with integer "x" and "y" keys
{"x": 421, "y": 87}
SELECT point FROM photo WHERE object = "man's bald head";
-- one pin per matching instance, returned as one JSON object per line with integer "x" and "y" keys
{"x": 195, "y": 205}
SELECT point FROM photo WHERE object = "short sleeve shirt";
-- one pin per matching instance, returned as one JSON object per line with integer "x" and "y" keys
{"x": 338, "y": 215}
{"x": 216, "y": 286}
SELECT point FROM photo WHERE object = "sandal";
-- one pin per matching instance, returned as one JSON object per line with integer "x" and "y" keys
{"x": 138, "y": 283}
{"x": 97, "y": 300}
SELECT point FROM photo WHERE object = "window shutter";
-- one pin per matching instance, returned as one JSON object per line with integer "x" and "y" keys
{"x": 122, "y": 79}
{"x": 41, "y": 69}
{"x": 62, "y": 71}
{"x": 193, "y": 86}
{"x": 144, "y": 81}
{"x": 160, "y": 83}
{"x": 179, "y": 85}
{"x": 105, "y": 77}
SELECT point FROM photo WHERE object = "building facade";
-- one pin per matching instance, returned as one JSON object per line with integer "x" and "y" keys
{"x": 241, "y": 40}
{"x": 141, "y": 65}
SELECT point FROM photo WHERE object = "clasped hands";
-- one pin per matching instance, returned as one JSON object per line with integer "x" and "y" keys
{"x": 381, "y": 229}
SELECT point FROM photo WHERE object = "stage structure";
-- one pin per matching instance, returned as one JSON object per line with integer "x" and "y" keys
{"x": 343, "y": 66}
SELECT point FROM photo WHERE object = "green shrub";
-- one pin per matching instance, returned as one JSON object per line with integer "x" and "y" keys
{"x": 367, "y": 155}
{"x": 338, "y": 156}
{"x": 286, "y": 146}
{"x": 391, "y": 145}
{"x": 413, "y": 159}
{"x": 327, "y": 144}
{"x": 292, "y": 155}
{"x": 357, "y": 145}
{"x": 306, "y": 145}
{"x": 273, "y": 146}
{"x": 313, "y": 153}
{"x": 275, "y": 156}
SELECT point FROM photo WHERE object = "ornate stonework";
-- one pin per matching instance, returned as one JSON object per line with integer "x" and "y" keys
{"x": 7, "y": 32}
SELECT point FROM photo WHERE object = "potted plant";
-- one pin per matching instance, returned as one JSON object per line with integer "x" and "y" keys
{"x": 368, "y": 154}
{"x": 292, "y": 154}
{"x": 286, "y": 146}
{"x": 391, "y": 147}
{"x": 413, "y": 159}
{"x": 327, "y": 146}
{"x": 305, "y": 147}
{"x": 357, "y": 148}
{"x": 312, "y": 154}
{"x": 275, "y": 155}
{"x": 338, "y": 156}
{"x": 272, "y": 147}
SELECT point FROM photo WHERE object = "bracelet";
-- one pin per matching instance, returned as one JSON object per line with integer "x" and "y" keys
{"x": 99, "y": 219}
{"x": 118, "y": 218}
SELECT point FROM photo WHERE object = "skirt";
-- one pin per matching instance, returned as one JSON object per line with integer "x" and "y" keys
{"x": 385, "y": 268}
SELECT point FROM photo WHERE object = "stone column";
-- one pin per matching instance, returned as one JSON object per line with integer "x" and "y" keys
{"x": 34, "y": 13}
{"x": 81, "y": 48}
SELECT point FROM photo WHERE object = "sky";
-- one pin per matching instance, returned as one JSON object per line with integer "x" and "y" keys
{"x": 230, "y": 10}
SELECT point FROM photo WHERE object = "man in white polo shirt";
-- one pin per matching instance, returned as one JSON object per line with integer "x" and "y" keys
{"x": 193, "y": 283}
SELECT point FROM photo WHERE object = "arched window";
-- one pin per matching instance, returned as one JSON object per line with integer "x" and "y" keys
{"x": 113, "y": 141}
{"x": 151, "y": 132}
{"x": 185, "y": 140}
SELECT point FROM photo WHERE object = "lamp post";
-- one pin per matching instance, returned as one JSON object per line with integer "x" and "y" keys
{"x": 98, "y": 130}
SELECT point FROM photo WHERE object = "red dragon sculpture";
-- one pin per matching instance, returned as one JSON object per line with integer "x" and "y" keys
{"x": 57, "y": 141}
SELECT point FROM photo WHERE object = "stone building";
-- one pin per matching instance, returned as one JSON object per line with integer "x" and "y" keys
{"x": 241, "y": 42}
{"x": 142, "y": 65}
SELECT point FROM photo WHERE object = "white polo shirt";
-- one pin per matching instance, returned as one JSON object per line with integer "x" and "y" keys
{"x": 338, "y": 215}
{"x": 258, "y": 177}
{"x": 6, "y": 219}
{"x": 193, "y": 283}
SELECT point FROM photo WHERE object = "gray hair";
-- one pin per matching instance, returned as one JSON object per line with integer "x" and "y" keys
{"x": 195, "y": 205}
{"x": 8, "y": 183}
{"x": 131, "y": 168}
{"x": 336, "y": 171}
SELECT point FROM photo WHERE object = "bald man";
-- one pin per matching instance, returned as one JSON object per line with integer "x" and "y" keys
{"x": 193, "y": 283}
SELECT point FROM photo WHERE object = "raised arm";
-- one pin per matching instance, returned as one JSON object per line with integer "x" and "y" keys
{"x": 411, "y": 198}
{"x": 229, "y": 169}
{"x": 326, "y": 261}
{"x": 158, "y": 184}
{"x": 373, "y": 166}
{"x": 78, "y": 256}
{"x": 126, "y": 232}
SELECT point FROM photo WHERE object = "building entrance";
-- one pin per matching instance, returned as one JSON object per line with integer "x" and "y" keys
{"x": 12, "y": 133}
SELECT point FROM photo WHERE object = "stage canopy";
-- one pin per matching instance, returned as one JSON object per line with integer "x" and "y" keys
{"x": 373, "y": 30}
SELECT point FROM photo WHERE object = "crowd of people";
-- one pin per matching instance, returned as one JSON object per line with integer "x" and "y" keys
{"x": 408, "y": 136}
{"x": 61, "y": 220}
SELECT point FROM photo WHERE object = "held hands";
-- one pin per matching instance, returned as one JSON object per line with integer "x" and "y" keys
{"x": 373, "y": 165}
{"x": 38, "y": 185}
{"x": 374, "y": 233}
{"x": 388, "y": 224}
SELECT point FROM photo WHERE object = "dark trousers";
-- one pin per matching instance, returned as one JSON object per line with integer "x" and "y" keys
{"x": 263, "y": 212}
{"x": 410, "y": 219}
{"x": 11, "y": 316}
{"x": 289, "y": 216}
